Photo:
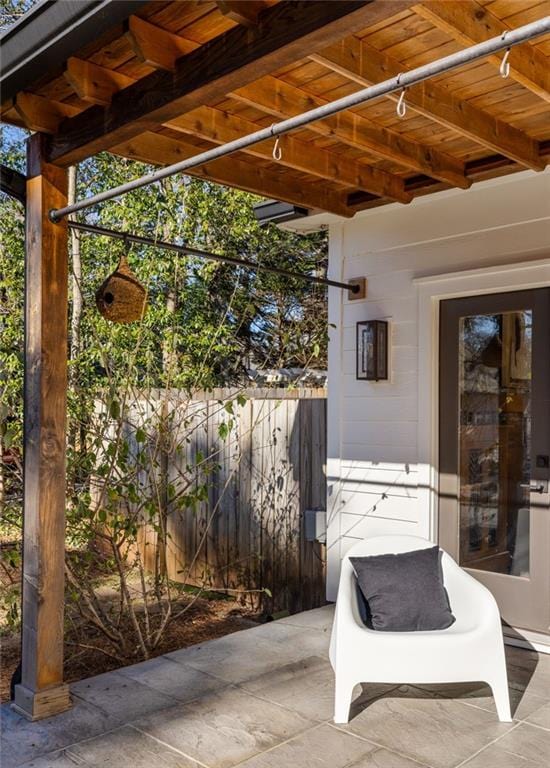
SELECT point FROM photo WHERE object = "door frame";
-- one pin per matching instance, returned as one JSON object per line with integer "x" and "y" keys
{"x": 431, "y": 290}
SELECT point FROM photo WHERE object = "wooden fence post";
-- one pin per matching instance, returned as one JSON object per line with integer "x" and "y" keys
{"x": 42, "y": 692}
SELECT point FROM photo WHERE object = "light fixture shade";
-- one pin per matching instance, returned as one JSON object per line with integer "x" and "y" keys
{"x": 372, "y": 350}
{"x": 275, "y": 211}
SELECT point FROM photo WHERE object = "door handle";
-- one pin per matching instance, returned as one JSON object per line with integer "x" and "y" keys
{"x": 534, "y": 487}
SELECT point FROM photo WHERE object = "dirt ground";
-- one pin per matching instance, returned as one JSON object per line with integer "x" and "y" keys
{"x": 87, "y": 650}
{"x": 207, "y": 619}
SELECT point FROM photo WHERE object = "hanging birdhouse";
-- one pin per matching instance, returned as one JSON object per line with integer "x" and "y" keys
{"x": 121, "y": 298}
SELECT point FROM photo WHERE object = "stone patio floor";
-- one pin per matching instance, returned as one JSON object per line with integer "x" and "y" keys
{"x": 262, "y": 698}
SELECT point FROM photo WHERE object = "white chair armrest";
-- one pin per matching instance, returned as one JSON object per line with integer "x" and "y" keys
{"x": 469, "y": 596}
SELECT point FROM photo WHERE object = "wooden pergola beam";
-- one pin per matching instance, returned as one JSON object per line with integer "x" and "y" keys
{"x": 94, "y": 84}
{"x": 221, "y": 127}
{"x": 363, "y": 64}
{"x": 158, "y": 149}
{"x": 41, "y": 114}
{"x": 155, "y": 46}
{"x": 42, "y": 692}
{"x": 282, "y": 100}
{"x": 481, "y": 169}
{"x": 469, "y": 22}
{"x": 285, "y": 32}
{"x": 244, "y": 12}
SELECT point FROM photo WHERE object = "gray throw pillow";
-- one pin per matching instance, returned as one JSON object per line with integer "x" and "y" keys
{"x": 403, "y": 592}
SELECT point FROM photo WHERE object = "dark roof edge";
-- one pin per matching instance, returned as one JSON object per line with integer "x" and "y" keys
{"x": 52, "y": 31}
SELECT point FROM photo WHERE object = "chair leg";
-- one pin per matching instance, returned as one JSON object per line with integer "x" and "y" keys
{"x": 501, "y": 696}
{"x": 342, "y": 700}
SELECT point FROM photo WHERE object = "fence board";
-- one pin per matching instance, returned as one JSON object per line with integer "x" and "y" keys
{"x": 305, "y": 425}
{"x": 293, "y": 553}
{"x": 245, "y": 565}
{"x": 249, "y": 533}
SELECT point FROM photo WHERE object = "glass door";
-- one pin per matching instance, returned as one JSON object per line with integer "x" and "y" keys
{"x": 495, "y": 447}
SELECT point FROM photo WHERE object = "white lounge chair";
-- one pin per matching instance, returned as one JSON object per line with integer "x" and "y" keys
{"x": 471, "y": 649}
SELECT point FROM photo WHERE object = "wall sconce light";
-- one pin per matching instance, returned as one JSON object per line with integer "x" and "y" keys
{"x": 372, "y": 350}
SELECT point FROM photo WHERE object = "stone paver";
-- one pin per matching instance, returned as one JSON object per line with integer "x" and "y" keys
{"x": 248, "y": 654}
{"x": 224, "y": 728}
{"x": 124, "y": 747}
{"x": 172, "y": 678}
{"x": 62, "y": 759}
{"x": 526, "y": 746}
{"x": 540, "y": 716}
{"x": 263, "y": 698}
{"x": 523, "y": 704}
{"x": 319, "y": 618}
{"x": 327, "y": 747}
{"x": 307, "y": 687}
{"x": 436, "y": 732}
{"x": 23, "y": 740}
{"x": 127, "y": 747}
{"x": 528, "y": 671}
{"x": 120, "y": 697}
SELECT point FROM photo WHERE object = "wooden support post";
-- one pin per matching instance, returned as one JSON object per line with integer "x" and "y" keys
{"x": 42, "y": 692}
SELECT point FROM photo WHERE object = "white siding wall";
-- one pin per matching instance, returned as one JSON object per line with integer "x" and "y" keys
{"x": 373, "y": 476}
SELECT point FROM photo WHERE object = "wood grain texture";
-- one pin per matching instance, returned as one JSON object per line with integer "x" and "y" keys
{"x": 285, "y": 32}
{"x": 469, "y": 22}
{"x": 221, "y": 127}
{"x": 281, "y": 99}
{"x": 262, "y": 59}
{"x": 159, "y": 150}
{"x": 155, "y": 46}
{"x": 266, "y": 472}
{"x": 244, "y": 12}
{"x": 45, "y": 398}
{"x": 40, "y": 114}
{"x": 93, "y": 83}
{"x": 362, "y": 63}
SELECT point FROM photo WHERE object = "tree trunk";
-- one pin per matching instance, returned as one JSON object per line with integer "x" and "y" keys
{"x": 76, "y": 262}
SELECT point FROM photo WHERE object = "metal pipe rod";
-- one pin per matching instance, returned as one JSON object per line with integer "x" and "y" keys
{"x": 188, "y": 251}
{"x": 403, "y": 80}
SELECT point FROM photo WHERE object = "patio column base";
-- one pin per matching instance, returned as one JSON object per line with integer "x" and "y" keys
{"x": 36, "y": 705}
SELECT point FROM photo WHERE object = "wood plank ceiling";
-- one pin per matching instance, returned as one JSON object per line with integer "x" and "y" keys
{"x": 161, "y": 89}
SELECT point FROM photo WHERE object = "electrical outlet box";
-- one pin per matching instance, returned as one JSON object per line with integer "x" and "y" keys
{"x": 315, "y": 525}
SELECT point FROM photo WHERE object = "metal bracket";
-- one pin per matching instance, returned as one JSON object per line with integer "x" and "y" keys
{"x": 361, "y": 291}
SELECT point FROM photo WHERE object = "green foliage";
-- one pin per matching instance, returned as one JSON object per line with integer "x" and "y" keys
{"x": 207, "y": 323}
{"x": 12, "y": 10}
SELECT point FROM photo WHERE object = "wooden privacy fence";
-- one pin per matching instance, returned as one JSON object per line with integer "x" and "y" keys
{"x": 260, "y": 456}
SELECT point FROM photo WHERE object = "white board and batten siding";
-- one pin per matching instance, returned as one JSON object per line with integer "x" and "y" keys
{"x": 381, "y": 458}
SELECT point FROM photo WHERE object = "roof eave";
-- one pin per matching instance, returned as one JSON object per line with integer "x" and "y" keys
{"x": 48, "y": 34}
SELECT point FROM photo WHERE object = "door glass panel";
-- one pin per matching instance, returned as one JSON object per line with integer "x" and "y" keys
{"x": 495, "y": 441}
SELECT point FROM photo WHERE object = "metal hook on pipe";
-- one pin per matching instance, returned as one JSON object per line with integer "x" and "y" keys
{"x": 363, "y": 96}
{"x": 505, "y": 64}
{"x": 277, "y": 151}
{"x": 401, "y": 108}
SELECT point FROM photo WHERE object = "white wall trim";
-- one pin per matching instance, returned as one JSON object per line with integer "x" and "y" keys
{"x": 431, "y": 291}
{"x": 336, "y": 271}
{"x": 462, "y": 234}
{"x": 496, "y": 269}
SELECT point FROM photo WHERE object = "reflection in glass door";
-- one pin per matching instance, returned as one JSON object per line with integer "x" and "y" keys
{"x": 494, "y": 447}
{"x": 495, "y": 354}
